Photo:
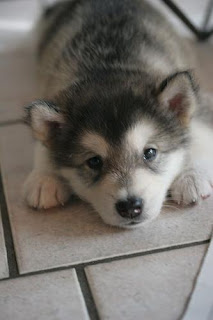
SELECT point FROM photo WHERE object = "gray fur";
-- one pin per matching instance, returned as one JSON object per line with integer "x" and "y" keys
{"x": 81, "y": 36}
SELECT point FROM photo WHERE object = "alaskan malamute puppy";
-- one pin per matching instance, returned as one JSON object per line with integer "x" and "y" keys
{"x": 119, "y": 121}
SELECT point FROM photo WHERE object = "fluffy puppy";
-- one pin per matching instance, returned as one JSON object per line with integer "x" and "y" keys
{"x": 119, "y": 120}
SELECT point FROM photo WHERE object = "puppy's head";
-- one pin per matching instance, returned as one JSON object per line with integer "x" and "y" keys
{"x": 119, "y": 144}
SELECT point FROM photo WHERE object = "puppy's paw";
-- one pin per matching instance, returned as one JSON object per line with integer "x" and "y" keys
{"x": 45, "y": 190}
{"x": 191, "y": 187}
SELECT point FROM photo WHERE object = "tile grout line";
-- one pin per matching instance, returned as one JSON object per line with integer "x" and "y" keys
{"x": 11, "y": 256}
{"x": 106, "y": 260}
{"x": 11, "y": 122}
{"x": 87, "y": 294}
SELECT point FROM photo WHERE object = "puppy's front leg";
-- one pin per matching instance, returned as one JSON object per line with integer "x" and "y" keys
{"x": 191, "y": 186}
{"x": 195, "y": 182}
{"x": 45, "y": 187}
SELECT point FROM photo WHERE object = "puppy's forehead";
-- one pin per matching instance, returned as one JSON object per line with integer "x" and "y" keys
{"x": 95, "y": 142}
{"x": 135, "y": 138}
{"x": 139, "y": 134}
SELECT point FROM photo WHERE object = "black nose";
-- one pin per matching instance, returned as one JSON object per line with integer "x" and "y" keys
{"x": 130, "y": 208}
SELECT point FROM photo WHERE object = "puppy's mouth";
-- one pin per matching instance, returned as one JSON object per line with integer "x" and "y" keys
{"x": 132, "y": 224}
{"x": 135, "y": 223}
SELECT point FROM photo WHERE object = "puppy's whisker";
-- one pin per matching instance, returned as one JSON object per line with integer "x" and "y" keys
{"x": 171, "y": 207}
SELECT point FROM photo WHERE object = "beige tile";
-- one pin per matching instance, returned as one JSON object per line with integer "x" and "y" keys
{"x": 155, "y": 286}
{"x": 18, "y": 82}
{"x": 17, "y": 18}
{"x": 4, "y": 272}
{"x": 17, "y": 57}
{"x": 205, "y": 64}
{"x": 194, "y": 10}
{"x": 200, "y": 305}
{"x": 18, "y": 79}
{"x": 75, "y": 234}
{"x": 52, "y": 296}
{"x": 12, "y": 110}
{"x": 17, "y": 62}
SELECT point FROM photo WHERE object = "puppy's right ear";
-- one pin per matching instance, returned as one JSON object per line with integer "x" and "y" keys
{"x": 45, "y": 119}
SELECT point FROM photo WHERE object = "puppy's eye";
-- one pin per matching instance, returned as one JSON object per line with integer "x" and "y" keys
{"x": 150, "y": 154}
{"x": 95, "y": 163}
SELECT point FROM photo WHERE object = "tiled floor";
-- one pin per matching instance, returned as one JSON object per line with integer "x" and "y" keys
{"x": 65, "y": 263}
{"x": 57, "y": 294}
{"x": 145, "y": 287}
{"x": 4, "y": 272}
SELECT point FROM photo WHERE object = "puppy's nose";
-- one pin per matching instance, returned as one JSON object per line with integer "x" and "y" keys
{"x": 130, "y": 208}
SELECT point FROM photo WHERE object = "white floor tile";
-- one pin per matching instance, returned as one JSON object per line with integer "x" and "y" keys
{"x": 4, "y": 272}
{"x": 151, "y": 287}
{"x": 52, "y": 296}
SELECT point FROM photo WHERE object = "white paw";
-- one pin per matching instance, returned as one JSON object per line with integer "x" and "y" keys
{"x": 45, "y": 190}
{"x": 191, "y": 187}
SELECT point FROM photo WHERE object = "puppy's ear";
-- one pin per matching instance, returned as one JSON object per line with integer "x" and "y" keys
{"x": 45, "y": 119}
{"x": 177, "y": 94}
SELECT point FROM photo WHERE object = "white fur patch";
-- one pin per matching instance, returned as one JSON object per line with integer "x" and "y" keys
{"x": 45, "y": 188}
{"x": 196, "y": 180}
{"x": 138, "y": 136}
{"x": 157, "y": 62}
{"x": 41, "y": 115}
{"x": 152, "y": 187}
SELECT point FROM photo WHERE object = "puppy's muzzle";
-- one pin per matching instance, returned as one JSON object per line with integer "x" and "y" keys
{"x": 130, "y": 208}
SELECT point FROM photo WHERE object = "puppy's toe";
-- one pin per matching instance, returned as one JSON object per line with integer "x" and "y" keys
{"x": 190, "y": 188}
{"x": 44, "y": 190}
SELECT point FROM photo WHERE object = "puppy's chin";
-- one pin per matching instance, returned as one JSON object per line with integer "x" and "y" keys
{"x": 118, "y": 222}
{"x": 129, "y": 224}
{"x": 143, "y": 222}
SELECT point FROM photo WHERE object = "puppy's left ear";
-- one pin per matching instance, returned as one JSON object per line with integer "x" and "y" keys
{"x": 45, "y": 119}
{"x": 177, "y": 94}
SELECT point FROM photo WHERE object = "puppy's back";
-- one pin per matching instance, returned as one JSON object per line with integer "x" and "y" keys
{"x": 79, "y": 36}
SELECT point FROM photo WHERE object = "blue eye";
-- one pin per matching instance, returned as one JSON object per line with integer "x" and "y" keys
{"x": 150, "y": 154}
{"x": 95, "y": 163}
